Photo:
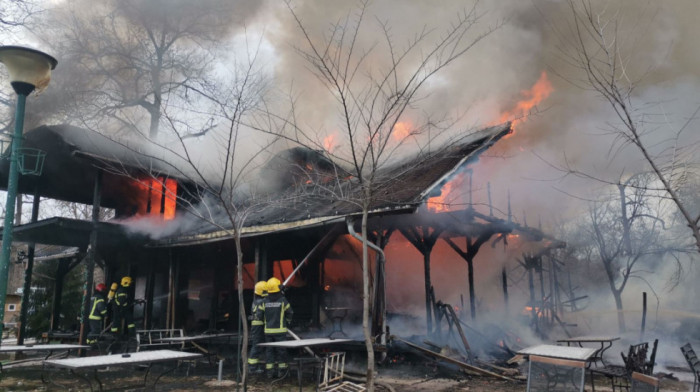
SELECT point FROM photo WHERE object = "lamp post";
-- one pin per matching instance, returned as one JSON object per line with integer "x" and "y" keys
{"x": 29, "y": 70}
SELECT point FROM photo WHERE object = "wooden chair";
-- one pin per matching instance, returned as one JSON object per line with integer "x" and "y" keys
{"x": 694, "y": 364}
{"x": 555, "y": 375}
{"x": 644, "y": 383}
{"x": 635, "y": 361}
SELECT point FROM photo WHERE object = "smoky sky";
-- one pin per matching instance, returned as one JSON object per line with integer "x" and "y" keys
{"x": 572, "y": 125}
{"x": 530, "y": 37}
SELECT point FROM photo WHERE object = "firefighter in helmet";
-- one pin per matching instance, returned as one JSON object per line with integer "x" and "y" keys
{"x": 257, "y": 329}
{"x": 276, "y": 313}
{"x": 123, "y": 308}
{"x": 98, "y": 311}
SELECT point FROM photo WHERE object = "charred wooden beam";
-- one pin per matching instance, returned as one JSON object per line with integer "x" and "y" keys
{"x": 424, "y": 240}
{"x": 461, "y": 364}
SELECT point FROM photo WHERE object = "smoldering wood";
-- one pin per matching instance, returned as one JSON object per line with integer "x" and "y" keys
{"x": 461, "y": 364}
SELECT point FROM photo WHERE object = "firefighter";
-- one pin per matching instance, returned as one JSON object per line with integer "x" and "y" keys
{"x": 276, "y": 312}
{"x": 123, "y": 308}
{"x": 98, "y": 311}
{"x": 257, "y": 329}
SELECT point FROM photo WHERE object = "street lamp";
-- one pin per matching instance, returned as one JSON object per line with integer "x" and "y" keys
{"x": 29, "y": 70}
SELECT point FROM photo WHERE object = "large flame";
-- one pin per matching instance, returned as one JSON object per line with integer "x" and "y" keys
{"x": 441, "y": 203}
{"x": 531, "y": 98}
{"x": 157, "y": 195}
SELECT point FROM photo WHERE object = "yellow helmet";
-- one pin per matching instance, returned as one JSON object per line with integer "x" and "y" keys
{"x": 273, "y": 285}
{"x": 126, "y": 281}
{"x": 261, "y": 288}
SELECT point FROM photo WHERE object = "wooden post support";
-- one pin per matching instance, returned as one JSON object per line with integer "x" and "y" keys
{"x": 644, "y": 314}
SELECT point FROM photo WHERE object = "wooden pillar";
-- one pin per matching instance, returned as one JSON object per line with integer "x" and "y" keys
{"x": 472, "y": 248}
{"x": 256, "y": 259}
{"x": 423, "y": 240}
{"x": 61, "y": 271}
{"x": 27, "y": 288}
{"x": 91, "y": 255}
{"x": 171, "y": 291}
{"x": 148, "y": 306}
{"x": 504, "y": 282}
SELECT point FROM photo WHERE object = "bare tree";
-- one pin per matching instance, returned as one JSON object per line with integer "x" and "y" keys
{"x": 602, "y": 50}
{"x": 15, "y": 16}
{"x": 373, "y": 101}
{"x": 226, "y": 193}
{"x": 128, "y": 63}
{"x": 624, "y": 232}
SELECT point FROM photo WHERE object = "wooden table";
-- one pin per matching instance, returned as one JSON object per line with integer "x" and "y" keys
{"x": 139, "y": 358}
{"x": 605, "y": 343}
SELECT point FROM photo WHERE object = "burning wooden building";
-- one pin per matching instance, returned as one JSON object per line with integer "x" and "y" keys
{"x": 186, "y": 273}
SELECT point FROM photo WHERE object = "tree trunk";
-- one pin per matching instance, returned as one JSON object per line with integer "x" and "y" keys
{"x": 365, "y": 301}
{"x": 241, "y": 308}
{"x": 620, "y": 316}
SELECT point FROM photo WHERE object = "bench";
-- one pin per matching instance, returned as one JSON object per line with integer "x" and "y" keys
{"x": 60, "y": 336}
{"x": 635, "y": 361}
{"x": 694, "y": 364}
{"x": 148, "y": 339}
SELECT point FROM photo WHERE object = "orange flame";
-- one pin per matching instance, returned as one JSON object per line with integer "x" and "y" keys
{"x": 158, "y": 195}
{"x": 401, "y": 131}
{"x": 441, "y": 203}
{"x": 531, "y": 98}
{"x": 329, "y": 142}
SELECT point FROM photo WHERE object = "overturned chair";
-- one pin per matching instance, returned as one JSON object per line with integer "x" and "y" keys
{"x": 333, "y": 374}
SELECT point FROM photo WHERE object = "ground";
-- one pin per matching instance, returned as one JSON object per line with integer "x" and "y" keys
{"x": 204, "y": 378}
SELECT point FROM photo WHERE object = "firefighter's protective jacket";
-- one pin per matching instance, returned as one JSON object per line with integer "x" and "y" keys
{"x": 276, "y": 313}
{"x": 122, "y": 300}
{"x": 258, "y": 317}
{"x": 98, "y": 307}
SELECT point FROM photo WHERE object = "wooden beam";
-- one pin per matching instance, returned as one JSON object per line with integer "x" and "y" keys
{"x": 454, "y": 361}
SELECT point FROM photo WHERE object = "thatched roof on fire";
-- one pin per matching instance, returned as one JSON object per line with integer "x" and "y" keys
{"x": 403, "y": 187}
{"x": 72, "y": 158}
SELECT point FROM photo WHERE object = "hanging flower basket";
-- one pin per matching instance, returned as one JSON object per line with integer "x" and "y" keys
{"x": 31, "y": 161}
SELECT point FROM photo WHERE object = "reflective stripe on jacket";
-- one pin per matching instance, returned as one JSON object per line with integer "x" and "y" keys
{"x": 98, "y": 309}
{"x": 277, "y": 313}
{"x": 257, "y": 319}
{"x": 121, "y": 298}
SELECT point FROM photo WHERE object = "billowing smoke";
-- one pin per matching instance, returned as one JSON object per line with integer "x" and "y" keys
{"x": 572, "y": 124}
